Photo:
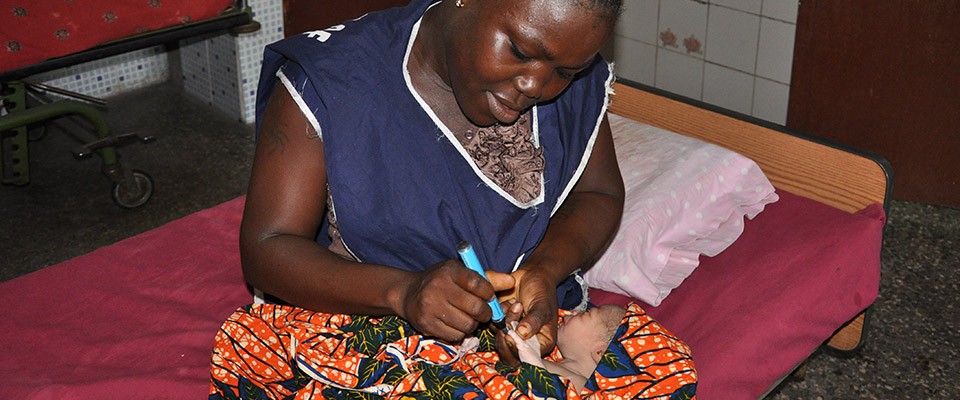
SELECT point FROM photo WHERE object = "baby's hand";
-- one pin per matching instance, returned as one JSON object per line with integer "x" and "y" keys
{"x": 528, "y": 350}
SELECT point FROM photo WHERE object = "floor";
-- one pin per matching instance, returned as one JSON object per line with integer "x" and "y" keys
{"x": 201, "y": 158}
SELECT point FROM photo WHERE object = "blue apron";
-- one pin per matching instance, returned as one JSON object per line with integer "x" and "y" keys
{"x": 404, "y": 194}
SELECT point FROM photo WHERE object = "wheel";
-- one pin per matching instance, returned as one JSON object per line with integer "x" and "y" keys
{"x": 126, "y": 198}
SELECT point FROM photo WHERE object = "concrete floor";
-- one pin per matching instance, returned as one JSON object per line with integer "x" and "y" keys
{"x": 201, "y": 158}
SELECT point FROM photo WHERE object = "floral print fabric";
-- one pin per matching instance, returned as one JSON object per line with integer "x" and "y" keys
{"x": 271, "y": 351}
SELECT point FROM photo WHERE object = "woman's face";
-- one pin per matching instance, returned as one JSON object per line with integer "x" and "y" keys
{"x": 504, "y": 56}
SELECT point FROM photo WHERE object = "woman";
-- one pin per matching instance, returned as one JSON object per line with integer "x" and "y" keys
{"x": 385, "y": 141}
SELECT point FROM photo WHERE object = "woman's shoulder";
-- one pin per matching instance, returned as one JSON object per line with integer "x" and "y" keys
{"x": 372, "y": 34}
{"x": 354, "y": 46}
{"x": 597, "y": 78}
{"x": 588, "y": 94}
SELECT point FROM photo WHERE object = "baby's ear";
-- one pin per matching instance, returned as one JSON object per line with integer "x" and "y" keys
{"x": 598, "y": 354}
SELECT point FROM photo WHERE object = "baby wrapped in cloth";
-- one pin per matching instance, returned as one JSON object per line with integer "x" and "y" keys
{"x": 275, "y": 351}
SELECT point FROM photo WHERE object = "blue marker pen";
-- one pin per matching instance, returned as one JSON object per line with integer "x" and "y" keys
{"x": 470, "y": 259}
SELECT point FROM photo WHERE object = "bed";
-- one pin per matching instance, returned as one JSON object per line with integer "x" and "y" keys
{"x": 38, "y": 36}
{"x": 139, "y": 316}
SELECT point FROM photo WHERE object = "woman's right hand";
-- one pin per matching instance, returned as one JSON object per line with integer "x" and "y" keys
{"x": 448, "y": 301}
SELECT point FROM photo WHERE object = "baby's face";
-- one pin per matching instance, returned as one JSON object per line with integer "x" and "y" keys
{"x": 589, "y": 326}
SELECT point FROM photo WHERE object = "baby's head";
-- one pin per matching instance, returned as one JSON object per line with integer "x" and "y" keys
{"x": 588, "y": 333}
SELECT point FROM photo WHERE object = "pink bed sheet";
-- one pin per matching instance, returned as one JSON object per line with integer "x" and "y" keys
{"x": 752, "y": 313}
{"x": 135, "y": 319}
{"x": 138, "y": 317}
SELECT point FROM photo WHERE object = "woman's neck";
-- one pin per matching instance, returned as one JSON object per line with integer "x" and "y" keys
{"x": 427, "y": 57}
{"x": 427, "y": 68}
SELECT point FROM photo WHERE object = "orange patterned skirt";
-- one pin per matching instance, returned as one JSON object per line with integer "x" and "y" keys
{"x": 269, "y": 351}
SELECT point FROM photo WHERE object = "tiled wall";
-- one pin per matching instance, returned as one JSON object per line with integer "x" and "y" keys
{"x": 113, "y": 75}
{"x": 735, "y": 54}
{"x": 222, "y": 70}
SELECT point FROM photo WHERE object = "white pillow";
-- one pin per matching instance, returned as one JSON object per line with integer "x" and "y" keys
{"x": 684, "y": 197}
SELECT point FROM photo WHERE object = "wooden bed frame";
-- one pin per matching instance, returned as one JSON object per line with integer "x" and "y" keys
{"x": 843, "y": 177}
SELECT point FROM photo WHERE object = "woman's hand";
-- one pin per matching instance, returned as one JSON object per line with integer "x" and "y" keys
{"x": 448, "y": 300}
{"x": 534, "y": 304}
{"x": 538, "y": 296}
{"x": 507, "y": 343}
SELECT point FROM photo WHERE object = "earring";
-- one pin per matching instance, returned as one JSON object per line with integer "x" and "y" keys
{"x": 460, "y": 4}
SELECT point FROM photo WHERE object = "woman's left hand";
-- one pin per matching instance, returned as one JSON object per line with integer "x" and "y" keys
{"x": 538, "y": 296}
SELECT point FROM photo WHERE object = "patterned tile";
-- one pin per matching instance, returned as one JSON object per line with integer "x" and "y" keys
{"x": 737, "y": 43}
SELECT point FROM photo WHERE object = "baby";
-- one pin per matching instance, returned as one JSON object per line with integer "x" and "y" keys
{"x": 581, "y": 339}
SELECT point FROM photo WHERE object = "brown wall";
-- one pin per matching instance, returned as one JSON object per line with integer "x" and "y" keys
{"x": 884, "y": 76}
{"x": 305, "y": 15}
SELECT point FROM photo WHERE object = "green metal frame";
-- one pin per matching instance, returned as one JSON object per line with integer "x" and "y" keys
{"x": 14, "y": 139}
{"x": 13, "y": 129}
{"x": 14, "y": 149}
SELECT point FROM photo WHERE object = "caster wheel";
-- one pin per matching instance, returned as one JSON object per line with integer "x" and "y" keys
{"x": 143, "y": 190}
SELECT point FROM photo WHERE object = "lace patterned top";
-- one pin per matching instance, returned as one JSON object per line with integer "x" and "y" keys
{"x": 508, "y": 156}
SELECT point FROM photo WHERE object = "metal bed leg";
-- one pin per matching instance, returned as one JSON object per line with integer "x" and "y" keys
{"x": 14, "y": 150}
{"x": 131, "y": 188}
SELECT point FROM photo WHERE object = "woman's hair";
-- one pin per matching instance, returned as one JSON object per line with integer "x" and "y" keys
{"x": 610, "y": 10}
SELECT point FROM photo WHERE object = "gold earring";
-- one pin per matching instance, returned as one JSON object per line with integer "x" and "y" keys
{"x": 460, "y": 4}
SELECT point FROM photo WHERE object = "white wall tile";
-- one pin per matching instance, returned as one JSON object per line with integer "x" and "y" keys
{"x": 732, "y": 38}
{"x": 679, "y": 73}
{"x": 770, "y": 101}
{"x": 784, "y": 10}
{"x": 224, "y": 87}
{"x": 639, "y": 20}
{"x": 224, "y": 70}
{"x": 728, "y": 88}
{"x": 749, "y": 57}
{"x": 775, "y": 52}
{"x": 250, "y": 50}
{"x": 635, "y": 61}
{"x": 684, "y": 19}
{"x": 195, "y": 68}
{"x": 111, "y": 76}
{"x": 750, "y": 6}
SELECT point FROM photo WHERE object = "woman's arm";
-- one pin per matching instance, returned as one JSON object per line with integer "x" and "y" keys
{"x": 285, "y": 206}
{"x": 580, "y": 229}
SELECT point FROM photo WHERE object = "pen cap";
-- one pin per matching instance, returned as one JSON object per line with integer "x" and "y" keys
{"x": 470, "y": 259}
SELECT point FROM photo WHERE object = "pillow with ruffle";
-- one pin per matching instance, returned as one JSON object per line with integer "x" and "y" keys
{"x": 684, "y": 198}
